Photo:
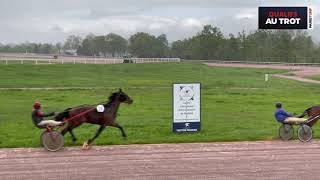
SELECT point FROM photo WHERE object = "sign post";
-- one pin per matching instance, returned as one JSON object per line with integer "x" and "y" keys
{"x": 186, "y": 107}
{"x": 266, "y": 77}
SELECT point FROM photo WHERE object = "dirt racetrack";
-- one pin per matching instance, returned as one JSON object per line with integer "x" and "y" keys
{"x": 235, "y": 160}
{"x": 298, "y": 73}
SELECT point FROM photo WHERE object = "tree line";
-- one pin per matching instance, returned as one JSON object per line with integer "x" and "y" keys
{"x": 42, "y": 48}
{"x": 208, "y": 44}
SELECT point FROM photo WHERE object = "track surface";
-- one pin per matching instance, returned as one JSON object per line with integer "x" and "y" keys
{"x": 237, "y": 160}
{"x": 298, "y": 73}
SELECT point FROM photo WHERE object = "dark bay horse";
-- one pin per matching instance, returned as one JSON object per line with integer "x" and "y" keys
{"x": 106, "y": 118}
{"x": 311, "y": 112}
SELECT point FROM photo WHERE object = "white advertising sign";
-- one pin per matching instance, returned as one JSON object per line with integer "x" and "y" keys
{"x": 186, "y": 107}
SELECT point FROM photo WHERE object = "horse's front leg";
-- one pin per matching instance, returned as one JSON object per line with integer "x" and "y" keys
{"x": 87, "y": 144}
{"x": 120, "y": 127}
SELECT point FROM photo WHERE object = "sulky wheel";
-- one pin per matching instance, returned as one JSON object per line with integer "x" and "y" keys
{"x": 286, "y": 132}
{"x": 41, "y": 137}
{"x": 52, "y": 140}
{"x": 305, "y": 133}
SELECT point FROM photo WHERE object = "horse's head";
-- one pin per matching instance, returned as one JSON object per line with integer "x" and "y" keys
{"x": 121, "y": 96}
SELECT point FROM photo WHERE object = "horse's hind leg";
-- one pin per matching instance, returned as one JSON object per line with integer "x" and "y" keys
{"x": 120, "y": 127}
{"x": 65, "y": 129}
{"x": 97, "y": 134}
{"x": 69, "y": 129}
{"x": 74, "y": 139}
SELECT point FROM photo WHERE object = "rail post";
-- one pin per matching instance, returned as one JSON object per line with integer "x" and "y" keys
{"x": 36, "y": 61}
{"x": 266, "y": 77}
{"x": 6, "y": 61}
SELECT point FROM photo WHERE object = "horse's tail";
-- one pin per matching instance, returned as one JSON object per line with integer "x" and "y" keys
{"x": 305, "y": 112}
{"x": 62, "y": 115}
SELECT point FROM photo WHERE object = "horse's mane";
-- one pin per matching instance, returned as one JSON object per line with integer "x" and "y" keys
{"x": 111, "y": 98}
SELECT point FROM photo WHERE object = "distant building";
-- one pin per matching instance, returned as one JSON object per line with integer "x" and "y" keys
{"x": 72, "y": 52}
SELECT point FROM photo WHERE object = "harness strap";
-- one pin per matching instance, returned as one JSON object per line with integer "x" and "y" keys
{"x": 78, "y": 115}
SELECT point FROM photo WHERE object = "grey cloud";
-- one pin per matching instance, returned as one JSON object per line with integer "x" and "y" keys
{"x": 103, "y": 13}
{"x": 52, "y": 21}
{"x": 56, "y": 28}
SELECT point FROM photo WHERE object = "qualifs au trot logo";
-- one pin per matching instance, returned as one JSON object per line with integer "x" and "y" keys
{"x": 285, "y": 18}
{"x": 310, "y": 18}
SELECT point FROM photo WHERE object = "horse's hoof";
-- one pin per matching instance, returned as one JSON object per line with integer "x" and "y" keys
{"x": 85, "y": 146}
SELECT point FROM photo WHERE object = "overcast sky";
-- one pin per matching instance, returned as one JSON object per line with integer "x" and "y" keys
{"x": 53, "y": 20}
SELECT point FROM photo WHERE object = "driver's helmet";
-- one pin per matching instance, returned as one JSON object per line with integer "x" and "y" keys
{"x": 37, "y": 105}
{"x": 278, "y": 105}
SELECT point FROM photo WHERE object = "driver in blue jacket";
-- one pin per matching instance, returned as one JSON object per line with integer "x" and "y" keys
{"x": 284, "y": 117}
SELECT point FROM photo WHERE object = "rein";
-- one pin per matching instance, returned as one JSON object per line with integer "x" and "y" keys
{"x": 78, "y": 115}
{"x": 104, "y": 103}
